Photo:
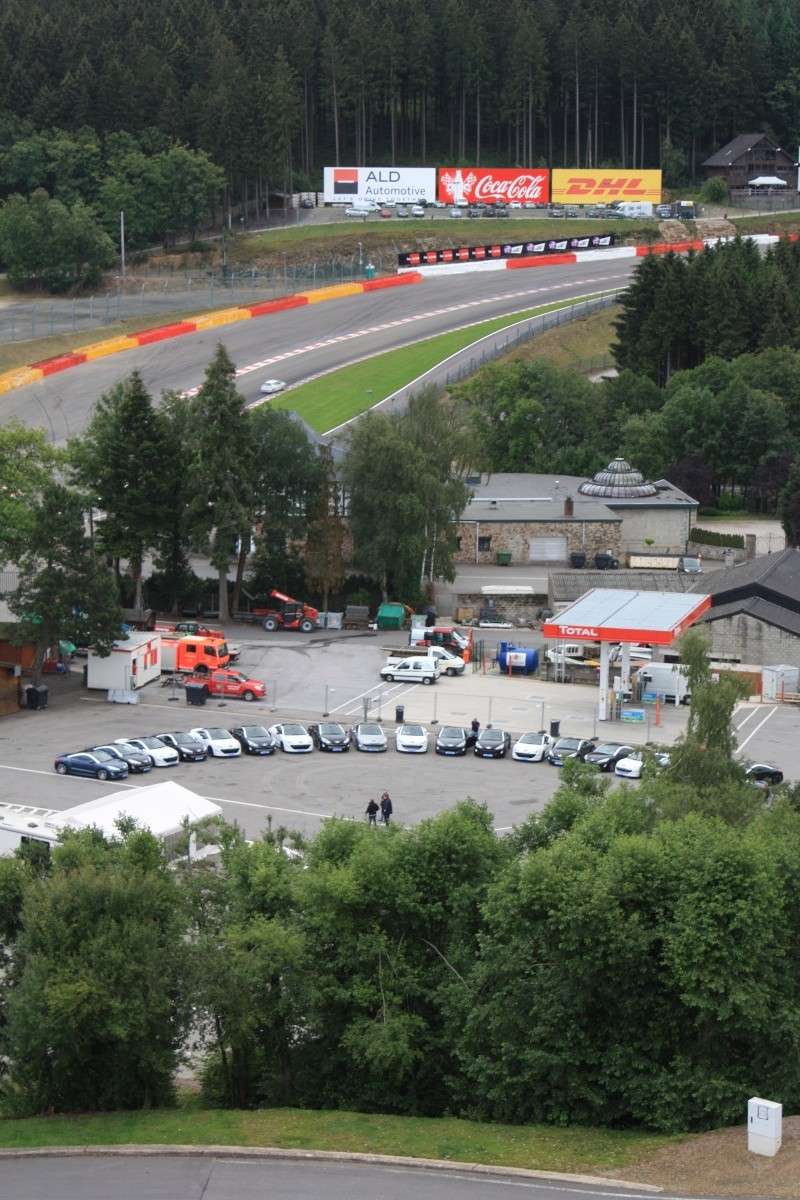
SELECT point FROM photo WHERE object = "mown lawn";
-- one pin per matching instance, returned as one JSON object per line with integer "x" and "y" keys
{"x": 583, "y": 345}
{"x": 539, "y": 1147}
{"x": 336, "y": 397}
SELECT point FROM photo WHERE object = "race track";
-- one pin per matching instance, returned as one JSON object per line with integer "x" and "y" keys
{"x": 304, "y": 342}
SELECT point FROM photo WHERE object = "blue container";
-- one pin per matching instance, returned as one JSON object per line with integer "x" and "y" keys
{"x": 517, "y": 658}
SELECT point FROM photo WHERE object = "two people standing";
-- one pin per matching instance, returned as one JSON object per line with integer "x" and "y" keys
{"x": 384, "y": 808}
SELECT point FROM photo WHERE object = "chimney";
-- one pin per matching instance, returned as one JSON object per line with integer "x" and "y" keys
{"x": 569, "y": 507}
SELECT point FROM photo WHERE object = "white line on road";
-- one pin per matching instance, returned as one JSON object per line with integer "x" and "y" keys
{"x": 755, "y": 731}
{"x": 749, "y": 717}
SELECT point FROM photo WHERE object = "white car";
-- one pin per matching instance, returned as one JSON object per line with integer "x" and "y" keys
{"x": 532, "y": 747}
{"x": 218, "y": 742}
{"x": 456, "y": 212}
{"x": 159, "y": 753}
{"x": 270, "y": 386}
{"x": 417, "y": 210}
{"x": 515, "y": 204}
{"x": 632, "y": 766}
{"x": 292, "y": 739}
{"x": 411, "y": 739}
{"x": 450, "y": 663}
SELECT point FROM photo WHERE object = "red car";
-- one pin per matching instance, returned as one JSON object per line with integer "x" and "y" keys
{"x": 231, "y": 683}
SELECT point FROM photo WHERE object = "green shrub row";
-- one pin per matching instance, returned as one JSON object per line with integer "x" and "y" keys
{"x": 713, "y": 537}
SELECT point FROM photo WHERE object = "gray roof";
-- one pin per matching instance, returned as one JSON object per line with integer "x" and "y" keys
{"x": 775, "y": 577}
{"x": 738, "y": 147}
{"x": 535, "y": 510}
{"x": 507, "y": 485}
{"x": 762, "y": 610}
{"x": 566, "y": 586}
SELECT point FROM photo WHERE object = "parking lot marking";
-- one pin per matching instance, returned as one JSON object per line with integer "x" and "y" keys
{"x": 755, "y": 731}
{"x": 298, "y": 812}
{"x": 749, "y": 717}
{"x": 351, "y": 699}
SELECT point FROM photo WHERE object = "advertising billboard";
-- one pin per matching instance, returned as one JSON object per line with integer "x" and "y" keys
{"x": 381, "y": 185}
{"x": 603, "y": 185}
{"x": 429, "y": 258}
{"x": 494, "y": 185}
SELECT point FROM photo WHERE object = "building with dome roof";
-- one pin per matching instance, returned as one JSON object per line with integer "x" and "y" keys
{"x": 547, "y": 518}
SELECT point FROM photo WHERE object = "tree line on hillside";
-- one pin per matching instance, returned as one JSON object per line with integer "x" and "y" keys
{"x": 246, "y": 487}
{"x": 708, "y": 394}
{"x": 625, "y": 957}
{"x": 273, "y": 87}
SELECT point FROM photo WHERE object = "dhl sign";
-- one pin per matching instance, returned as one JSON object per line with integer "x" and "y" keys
{"x": 603, "y": 186}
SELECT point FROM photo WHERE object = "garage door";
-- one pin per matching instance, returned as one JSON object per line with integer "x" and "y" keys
{"x": 548, "y": 549}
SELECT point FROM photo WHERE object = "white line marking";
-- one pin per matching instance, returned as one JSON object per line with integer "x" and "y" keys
{"x": 755, "y": 731}
{"x": 749, "y": 717}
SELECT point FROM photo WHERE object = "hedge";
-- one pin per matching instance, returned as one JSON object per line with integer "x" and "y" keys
{"x": 710, "y": 537}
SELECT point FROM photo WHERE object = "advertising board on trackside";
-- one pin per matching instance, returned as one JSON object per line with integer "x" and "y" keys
{"x": 604, "y": 185}
{"x": 494, "y": 185}
{"x": 380, "y": 185}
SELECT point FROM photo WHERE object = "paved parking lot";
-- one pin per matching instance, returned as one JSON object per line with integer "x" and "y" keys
{"x": 770, "y": 733}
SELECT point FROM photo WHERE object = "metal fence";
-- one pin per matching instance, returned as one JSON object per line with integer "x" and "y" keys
{"x": 153, "y": 290}
{"x": 784, "y": 201}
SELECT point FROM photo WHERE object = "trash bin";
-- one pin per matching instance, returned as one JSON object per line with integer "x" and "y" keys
{"x": 555, "y": 729}
{"x": 36, "y": 695}
{"x": 504, "y": 558}
{"x": 196, "y": 693}
{"x": 399, "y": 714}
{"x": 578, "y": 559}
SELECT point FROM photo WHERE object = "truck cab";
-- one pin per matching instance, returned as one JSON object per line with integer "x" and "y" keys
{"x": 199, "y": 654}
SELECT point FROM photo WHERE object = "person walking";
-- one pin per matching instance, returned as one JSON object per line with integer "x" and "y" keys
{"x": 372, "y": 813}
{"x": 475, "y": 728}
{"x": 386, "y": 808}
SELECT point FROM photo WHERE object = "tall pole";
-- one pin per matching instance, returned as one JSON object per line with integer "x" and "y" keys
{"x": 122, "y": 240}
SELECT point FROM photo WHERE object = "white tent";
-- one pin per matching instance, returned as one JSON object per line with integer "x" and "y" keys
{"x": 767, "y": 181}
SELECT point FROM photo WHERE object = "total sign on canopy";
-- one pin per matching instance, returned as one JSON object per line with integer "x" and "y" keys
{"x": 494, "y": 185}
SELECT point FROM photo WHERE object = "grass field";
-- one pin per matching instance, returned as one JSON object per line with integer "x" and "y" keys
{"x": 336, "y": 397}
{"x": 343, "y": 238}
{"x": 538, "y": 1146}
{"x": 784, "y": 222}
{"x": 583, "y": 345}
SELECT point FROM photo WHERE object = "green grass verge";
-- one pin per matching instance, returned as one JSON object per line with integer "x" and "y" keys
{"x": 336, "y": 397}
{"x": 539, "y": 1147}
{"x": 779, "y": 222}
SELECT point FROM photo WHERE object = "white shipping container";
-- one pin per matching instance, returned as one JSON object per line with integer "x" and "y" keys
{"x": 131, "y": 664}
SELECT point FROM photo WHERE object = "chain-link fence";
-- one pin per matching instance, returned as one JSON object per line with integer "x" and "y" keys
{"x": 154, "y": 291}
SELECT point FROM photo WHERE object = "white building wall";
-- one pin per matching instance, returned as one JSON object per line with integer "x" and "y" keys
{"x": 668, "y": 527}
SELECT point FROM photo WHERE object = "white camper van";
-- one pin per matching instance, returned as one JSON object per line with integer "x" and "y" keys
{"x": 667, "y": 680}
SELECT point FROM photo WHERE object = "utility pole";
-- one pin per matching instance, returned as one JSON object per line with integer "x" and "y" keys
{"x": 122, "y": 241}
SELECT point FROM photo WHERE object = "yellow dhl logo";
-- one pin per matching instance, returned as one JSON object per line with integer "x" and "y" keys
{"x": 605, "y": 185}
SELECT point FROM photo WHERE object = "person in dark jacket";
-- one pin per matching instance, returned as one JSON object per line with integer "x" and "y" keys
{"x": 475, "y": 728}
{"x": 372, "y": 812}
{"x": 386, "y": 808}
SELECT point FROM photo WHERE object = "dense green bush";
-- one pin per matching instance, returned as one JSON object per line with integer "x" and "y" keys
{"x": 712, "y": 537}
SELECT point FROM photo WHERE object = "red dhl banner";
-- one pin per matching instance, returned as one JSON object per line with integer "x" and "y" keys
{"x": 601, "y": 186}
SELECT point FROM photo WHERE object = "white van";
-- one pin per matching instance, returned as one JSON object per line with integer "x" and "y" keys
{"x": 667, "y": 679}
{"x": 420, "y": 669}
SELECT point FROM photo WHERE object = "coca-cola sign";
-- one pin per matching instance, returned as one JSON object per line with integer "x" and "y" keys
{"x": 494, "y": 185}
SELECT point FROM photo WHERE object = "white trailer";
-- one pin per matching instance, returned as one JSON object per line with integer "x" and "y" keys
{"x": 667, "y": 680}
{"x": 131, "y": 664}
{"x": 162, "y": 808}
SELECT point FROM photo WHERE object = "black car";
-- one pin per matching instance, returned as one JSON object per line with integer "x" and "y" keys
{"x": 570, "y": 747}
{"x": 557, "y": 210}
{"x": 451, "y": 740}
{"x": 330, "y": 735}
{"x": 492, "y": 743}
{"x": 608, "y": 755}
{"x": 477, "y": 210}
{"x": 190, "y": 748}
{"x": 138, "y": 762}
{"x": 254, "y": 739}
{"x": 764, "y": 775}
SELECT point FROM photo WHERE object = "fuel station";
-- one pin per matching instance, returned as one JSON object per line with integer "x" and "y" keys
{"x": 626, "y": 618}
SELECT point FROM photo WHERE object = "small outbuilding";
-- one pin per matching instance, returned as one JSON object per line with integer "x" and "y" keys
{"x": 131, "y": 664}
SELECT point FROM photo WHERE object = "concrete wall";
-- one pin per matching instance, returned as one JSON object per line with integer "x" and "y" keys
{"x": 520, "y": 611}
{"x": 749, "y": 640}
{"x": 668, "y": 527}
{"x": 515, "y": 536}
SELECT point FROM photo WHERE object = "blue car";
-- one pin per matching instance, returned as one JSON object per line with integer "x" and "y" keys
{"x": 95, "y": 764}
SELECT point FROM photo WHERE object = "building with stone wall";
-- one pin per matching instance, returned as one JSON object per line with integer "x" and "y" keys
{"x": 547, "y": 518}
{"x": 755, "y": 610}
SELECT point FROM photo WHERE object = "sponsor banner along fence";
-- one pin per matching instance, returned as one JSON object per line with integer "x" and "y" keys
{"x": 604, "y": 186}
{"x": 381, "y": 185}
{"x": 494, "y": 185}
{"x": 455, "y": 254}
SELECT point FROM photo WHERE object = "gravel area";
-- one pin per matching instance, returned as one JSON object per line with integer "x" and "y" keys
{"x": 719, "y": 1164}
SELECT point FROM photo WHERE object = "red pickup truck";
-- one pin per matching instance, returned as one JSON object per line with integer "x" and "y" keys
{"x": 231, "y": 683}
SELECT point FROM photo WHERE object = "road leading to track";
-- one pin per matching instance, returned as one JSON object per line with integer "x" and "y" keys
{"x": 303, "y": 342}
{"x": 220, "y": 1178}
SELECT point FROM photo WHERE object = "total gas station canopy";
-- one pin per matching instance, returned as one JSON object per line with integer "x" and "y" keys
{"x": 617, "y": 615}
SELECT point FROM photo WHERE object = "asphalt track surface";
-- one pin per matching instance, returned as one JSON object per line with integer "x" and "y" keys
{"x": 304, "y": 342}
{"x": 221, "y": 1178}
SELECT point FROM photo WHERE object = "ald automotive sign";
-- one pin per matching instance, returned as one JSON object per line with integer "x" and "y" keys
{"x": 381, "y": 185}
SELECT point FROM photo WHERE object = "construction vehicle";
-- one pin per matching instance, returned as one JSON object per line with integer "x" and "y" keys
{"x": 458, "y": 642}
{"x": 288, "y": 613}
{"x": 199, "y": 654}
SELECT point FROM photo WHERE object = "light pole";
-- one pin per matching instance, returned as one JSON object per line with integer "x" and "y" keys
{"x": 328, "y": 689}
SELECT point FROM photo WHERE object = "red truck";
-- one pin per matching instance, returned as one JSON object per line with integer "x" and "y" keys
{"x": 288, "y": 613}
{"x": 231, "y": 683}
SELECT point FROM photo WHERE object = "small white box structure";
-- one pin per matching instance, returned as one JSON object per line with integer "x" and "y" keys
{"x": 764, "y": 1126}
{"x": 131, "y": 664}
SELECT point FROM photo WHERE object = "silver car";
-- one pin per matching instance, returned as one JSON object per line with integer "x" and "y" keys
{"x": 368, "y": 735}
